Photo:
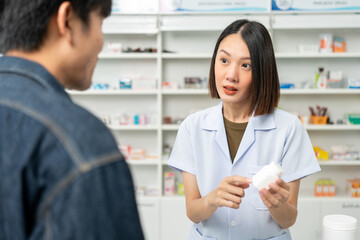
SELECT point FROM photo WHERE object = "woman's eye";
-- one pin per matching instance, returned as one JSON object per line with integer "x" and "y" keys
{"x": 223, "y": 60}
{"x": 246, "y": 65}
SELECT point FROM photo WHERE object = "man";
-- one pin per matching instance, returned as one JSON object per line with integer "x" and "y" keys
{"x": 61, "y": 173}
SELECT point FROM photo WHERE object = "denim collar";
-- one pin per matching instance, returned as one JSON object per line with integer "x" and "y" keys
{"x": 33, "y": 71}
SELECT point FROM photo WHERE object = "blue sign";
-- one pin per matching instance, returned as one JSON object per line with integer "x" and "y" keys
{"x": 214, "y": 5}
{"x": 315, "y": 5}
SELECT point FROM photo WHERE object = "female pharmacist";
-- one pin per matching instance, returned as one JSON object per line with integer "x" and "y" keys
{"x": 219, "y": 149}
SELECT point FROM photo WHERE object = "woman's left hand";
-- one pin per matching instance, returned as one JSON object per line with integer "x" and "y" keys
{"x": 278, "y": 193}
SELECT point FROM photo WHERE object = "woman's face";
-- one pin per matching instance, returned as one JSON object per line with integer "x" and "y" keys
{"x": 233, "y": 70}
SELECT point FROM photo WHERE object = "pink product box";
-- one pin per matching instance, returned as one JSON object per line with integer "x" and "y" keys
{"x": 169, "y": 183}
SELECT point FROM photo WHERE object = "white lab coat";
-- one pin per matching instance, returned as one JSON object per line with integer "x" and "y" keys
{"x": 201, "y": 149}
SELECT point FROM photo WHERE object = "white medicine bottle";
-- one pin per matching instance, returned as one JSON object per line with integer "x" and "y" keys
{"x": 267, "y": 174}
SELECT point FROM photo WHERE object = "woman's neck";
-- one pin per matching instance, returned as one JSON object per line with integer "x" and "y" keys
{"x": 235, "y": 112}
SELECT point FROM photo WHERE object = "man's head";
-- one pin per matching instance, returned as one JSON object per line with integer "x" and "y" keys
{"x": 24, "y": 22}
{"x": 64, "y": 36}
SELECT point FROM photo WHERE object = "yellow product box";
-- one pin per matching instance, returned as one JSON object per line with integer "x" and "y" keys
{"x": 321, "y": 154}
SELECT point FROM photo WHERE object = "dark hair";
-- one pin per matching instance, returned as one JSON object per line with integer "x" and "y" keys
{"x": 265, "y": 88}
{"x": 23, "y": 23}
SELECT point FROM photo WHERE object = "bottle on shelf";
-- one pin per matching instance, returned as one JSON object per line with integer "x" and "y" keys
{"x": 321, "y": 79}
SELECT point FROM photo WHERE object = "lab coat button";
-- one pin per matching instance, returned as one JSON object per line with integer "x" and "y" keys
{"x": 233, "y": 223}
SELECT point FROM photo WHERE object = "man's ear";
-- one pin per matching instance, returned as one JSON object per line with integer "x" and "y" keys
{"x": 64, "y": 19}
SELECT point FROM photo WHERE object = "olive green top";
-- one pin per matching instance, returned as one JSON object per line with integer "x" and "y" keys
{"x": 234, "y": 134}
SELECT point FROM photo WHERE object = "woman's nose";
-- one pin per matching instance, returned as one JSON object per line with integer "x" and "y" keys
{"x": 232, "y": 74}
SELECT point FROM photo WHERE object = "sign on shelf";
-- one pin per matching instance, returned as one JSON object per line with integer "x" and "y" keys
{"x": 315, "y": 5}
{"x": 135, "y": 6}
{"x": 214, "y": 5}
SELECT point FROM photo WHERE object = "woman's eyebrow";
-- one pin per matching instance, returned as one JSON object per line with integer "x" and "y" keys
{"x": 227, "y": 53}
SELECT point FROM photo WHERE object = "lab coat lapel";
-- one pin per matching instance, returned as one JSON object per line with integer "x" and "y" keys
{"x": 247, "y": 140}
{"x": 256, "y": 123}
{"x": 215, "y": 122}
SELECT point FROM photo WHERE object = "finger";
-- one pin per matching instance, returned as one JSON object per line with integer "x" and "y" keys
{"x": 238, "y": 191}
{"x": 225, "y": 203}
{"x": 283, "y": 184}
{"x": 277, "y": 190}
{"x": 239, "y": 181}
{"x": 271, "y": 198}
{"x": 265, "y": 200}
{"x": 230, "y": 197}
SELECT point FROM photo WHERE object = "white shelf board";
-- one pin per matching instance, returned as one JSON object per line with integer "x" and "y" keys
{"x": 131, "y": 31}
{"x": 315, "y": 20}
{"x": 334, "y": 127}
{"x": 317, "y": 55}
{"x": 134, "y": 127}
{"x": 134, "y": 55}
{"x": 313, "y": 127}
{"x": 302, "y": 197}
{"x": 214, "y": 13}
{"x": 185, "y": 92}
{"x": 340, "y": 196}
{"x": 173, "y": 198}
{"x": 142, "y": 199}
{"x": 340, "y": 163}
{"x": 320, "y": 91}
{"x": 114, "y": 92}
{"x": 186, "y": 56}
{"x": 170, "y": 127}
{"x": 143, "y": 162}
{"x": 189, "y": 29}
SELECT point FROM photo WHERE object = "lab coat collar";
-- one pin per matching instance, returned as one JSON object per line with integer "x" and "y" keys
{"x": 215, "y": 122}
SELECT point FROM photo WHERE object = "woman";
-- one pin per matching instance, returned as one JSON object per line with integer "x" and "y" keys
{"x": 220, "y": 149}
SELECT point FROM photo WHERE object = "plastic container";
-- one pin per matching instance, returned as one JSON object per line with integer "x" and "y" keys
{"x": 318, "y": 119}
{"x": 339, "y": 227}
{"x": 267, "y": 174}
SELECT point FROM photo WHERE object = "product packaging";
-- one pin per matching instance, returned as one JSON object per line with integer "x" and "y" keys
{"x": 325, "y": 187}
{"x": 353, "y": 187}
{"x": 326, "y": 43}
{"x": 169, "y": 183}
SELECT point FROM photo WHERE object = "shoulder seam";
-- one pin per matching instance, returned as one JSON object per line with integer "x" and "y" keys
{"x": 67, "y": 180}
{"x": 53, "y": 127}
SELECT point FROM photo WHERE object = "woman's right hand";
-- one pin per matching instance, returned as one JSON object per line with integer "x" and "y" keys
{"x": 229, "y": 192}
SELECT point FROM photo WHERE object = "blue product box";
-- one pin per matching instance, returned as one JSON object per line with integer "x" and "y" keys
{"x": 125, "y": 83}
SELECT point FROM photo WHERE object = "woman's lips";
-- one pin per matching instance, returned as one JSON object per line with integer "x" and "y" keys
{"x": 229, "y": 90}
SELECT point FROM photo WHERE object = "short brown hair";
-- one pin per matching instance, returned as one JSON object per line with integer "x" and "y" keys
{"x": 265, "y": 87}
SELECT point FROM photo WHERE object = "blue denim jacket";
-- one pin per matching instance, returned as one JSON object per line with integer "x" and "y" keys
{"x": 61, "y": 173}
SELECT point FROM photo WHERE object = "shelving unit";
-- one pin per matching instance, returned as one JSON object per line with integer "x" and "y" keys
{"x": 192, "y": 37}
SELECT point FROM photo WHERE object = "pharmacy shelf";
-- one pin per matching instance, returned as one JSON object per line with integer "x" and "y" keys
{"x": 141, "y": 199}
{"x": 320, "y": 91}
{"x": 277, "y": 55}
{"x": 297, "y": 55}
{"x": 175, "y": 127}
{"x": 173, "y": 198}
{"x": 131, "y": 31}
{"x": 340, "y": 163}
{"x": 185, "y": 92}
{"x": 134, "y": 127}
{"x": 189, "y": 29}
{"x": 186, "y": 56}
{"x": 113, "y": 92}
{"x": 308, "y": 195}
{"x": 328, "y": 127}
{"x": 303, "y": 196}
{"x": 134, "y": 55}
{"x": 170, "y": 127}
{"x": 143, "y": 162}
